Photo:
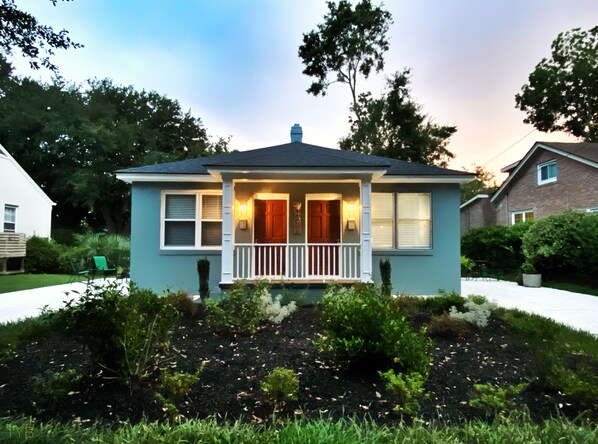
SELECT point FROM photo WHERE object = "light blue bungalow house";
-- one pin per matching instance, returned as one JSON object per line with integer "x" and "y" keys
{"x": 296, "y": 213}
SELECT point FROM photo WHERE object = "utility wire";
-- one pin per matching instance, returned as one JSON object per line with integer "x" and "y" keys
{"x": 508, "y": 148}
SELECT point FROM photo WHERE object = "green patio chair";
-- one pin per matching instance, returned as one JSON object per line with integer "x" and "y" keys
{"x": 101, "y": 266}
{"x": 77, "y": 273}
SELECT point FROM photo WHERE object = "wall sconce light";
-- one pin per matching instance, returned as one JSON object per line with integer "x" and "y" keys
{"x": 297, "y": 218}
{"x": 243, "y": 218}
{"x": 351, "y": 224}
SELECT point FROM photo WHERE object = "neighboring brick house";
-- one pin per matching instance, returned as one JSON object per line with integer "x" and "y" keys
{"x": 551, "y": 178}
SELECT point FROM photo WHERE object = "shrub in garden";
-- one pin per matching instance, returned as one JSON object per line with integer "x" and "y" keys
{"x": 243, "y": 308}
{"x": 443, "y": 302}
{"x": 476, "y": 313}
{"x": 125, "y": 333}
{"x": 447, "y": 326}
{"x": 43, "y": 256}
{"x": 280, "y": 386}
{"x": 565, "y": 243}
{"x": 500, "y": 246}
{"x": 407, "y": 388}
{"x": 115, "y": 247}
{"x": 203, "y": 270}
{"x": 494, "y": 399}
{"x": 363, "y": 326}
{"x": 178, "y": 384}
{"x": 50, "y": 386}
{"x": 385, "y": 275}
{"x": 183, "y": 302}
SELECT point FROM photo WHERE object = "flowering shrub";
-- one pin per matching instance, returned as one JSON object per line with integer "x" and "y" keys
{"x": 477, "y": 313}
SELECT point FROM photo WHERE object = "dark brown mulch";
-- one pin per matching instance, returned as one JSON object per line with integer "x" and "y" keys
{"x": 235, "y": 365}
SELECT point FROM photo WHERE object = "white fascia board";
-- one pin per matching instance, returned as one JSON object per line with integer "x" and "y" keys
{"x": 27, "y": 176}
{"x": 140, "y": 177}
{"x": 474, "y": 198}
{"x": 529, "y": 154}
{"x": 569, "y": 155}
{"x": 426, "y": 179}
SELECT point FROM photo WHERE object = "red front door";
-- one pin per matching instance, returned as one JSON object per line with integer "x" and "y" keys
{"x": 270, "y": 228}
{"x": 323, "y": 227}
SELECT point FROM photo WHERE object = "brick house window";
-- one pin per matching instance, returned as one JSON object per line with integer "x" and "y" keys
{"x": 521, "y": 216}
{"x": 547, "y": 172}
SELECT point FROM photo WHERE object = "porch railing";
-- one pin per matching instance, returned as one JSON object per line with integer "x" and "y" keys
{"x": 296, "y": 261}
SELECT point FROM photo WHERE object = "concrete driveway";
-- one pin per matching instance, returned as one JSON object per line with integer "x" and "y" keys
{"x": 27, "y": 303}
{"x": 574, "y": 309}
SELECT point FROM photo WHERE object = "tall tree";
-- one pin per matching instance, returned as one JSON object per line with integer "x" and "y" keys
{"x": 351, "y": 42}
{"x": 562, "y": 93}
{"x": 20, "y": 30}
{"x": 70, "y": 139}
{"x": 395, "y": 126}
{"x": 484, "y": 183}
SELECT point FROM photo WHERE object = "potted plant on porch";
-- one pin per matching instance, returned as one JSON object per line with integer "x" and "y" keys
{"x": 531, "y": 277}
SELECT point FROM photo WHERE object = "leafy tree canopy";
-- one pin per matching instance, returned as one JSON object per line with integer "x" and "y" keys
{"x": 484, "y": 183}
{"x": 20, "y": 30}
{"x": 70, "y": 139}
{"x": 562, "y": 93}
{"x": 350, "y": 42}
{"x": 395, "y": 126}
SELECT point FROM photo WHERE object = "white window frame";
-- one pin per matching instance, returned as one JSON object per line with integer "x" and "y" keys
{"x": 524, "y": 214}
{"x": 13, "y": 207}
{"x": 395, "y": 222}
{"x": 198, "y": 219}
{"x": 547, "y": 165}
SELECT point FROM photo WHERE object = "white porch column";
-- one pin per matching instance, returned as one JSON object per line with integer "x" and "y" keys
{"x": 366, "y": 230}
{"x": 227, "y": 231}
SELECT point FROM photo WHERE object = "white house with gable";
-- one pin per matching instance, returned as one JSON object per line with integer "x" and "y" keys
{"x": 24, "y": 206}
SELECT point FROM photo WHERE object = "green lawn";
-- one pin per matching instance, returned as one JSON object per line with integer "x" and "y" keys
{"x": 16, "y": 282}
{"x": 576, "y": 288}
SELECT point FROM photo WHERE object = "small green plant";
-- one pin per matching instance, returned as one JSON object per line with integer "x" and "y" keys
{"x": 494, "y": 399}
{"x": 280, "y": 386}
{"x": 407, "y": 388}
{"x": 447, "y": 326}
{"x": 528, "y": 268}
{"x": 441, "y": 303}
{"x": 385, "y": 275}
{"x": 169, "y": 408}
{"x": 183, "y": 302}
{"x": 51, "y": 386}
{"x": 467, "y": 265}
{"x": 203, "y": 269}
{"x": 178, "y": 384}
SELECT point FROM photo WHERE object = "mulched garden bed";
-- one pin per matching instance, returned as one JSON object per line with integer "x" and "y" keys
{"x": 236, "y": 364}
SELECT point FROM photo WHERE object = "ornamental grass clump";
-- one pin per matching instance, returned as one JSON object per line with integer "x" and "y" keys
{"x": 363, "y": 326}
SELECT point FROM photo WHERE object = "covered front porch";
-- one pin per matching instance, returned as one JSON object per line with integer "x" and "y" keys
{"x": 296, "y": 231}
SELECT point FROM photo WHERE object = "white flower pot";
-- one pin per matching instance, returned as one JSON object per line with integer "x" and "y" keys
{"x": 532, "y": 280}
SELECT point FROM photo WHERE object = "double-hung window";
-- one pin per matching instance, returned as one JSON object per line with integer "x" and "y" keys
{"x": 413, "y": 221}
{"x": 10, "y": 218}
{"x": 401, "y": 221}
{"x": 521, "y": 216}
{"x": 547, "y": 172}
{"x": 192, "y": 219}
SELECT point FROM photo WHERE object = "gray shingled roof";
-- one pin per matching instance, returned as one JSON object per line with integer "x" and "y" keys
{"x": 293, "y": 155}
{"x": 585, "y": 150}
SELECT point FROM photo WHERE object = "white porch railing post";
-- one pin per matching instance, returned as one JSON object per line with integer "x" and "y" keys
{"x": 226, "y": 276}
{"x": 366, "y": 230}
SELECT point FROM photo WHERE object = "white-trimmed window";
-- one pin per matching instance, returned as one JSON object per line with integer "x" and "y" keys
{"x": 191, "y": 219}
{"x": 547, "y": 172}
{"x": 402, "y": 221}
{"x": 10, "y": 218}
{"x": 521, "y": 216}
{"x": 414, "y": 221}
{"x": 382, "y": 220}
